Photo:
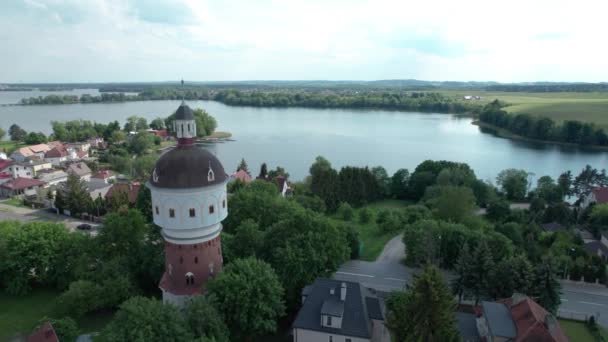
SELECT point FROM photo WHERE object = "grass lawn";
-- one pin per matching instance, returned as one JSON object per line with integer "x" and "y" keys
{"x": 15, "y": 202}
{"x": 588, "y": 107}
{"x": 576, "y": 331}
{"x": 8, "y": 146}
{"x": 371, "y": 239}
{"x": 19, "y": 315}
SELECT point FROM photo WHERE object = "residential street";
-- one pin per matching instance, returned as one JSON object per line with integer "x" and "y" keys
{"x": 387, "y": 273}
{"x": 9, "y": 212}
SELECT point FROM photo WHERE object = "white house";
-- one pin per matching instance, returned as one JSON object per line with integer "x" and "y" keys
{"x": 56, "y": 156}
{"x": 28, "y": 169}
{"x": 339, "y": 311}
{"x": 80, "y": 146}
{"x": 596, "y": 196}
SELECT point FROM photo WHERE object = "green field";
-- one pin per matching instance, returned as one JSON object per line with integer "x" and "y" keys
{"x": 19, "y": 315}
{"x": 7, "y": 146}
{"x": 371, "y": 240}
{"x": 589, "y": 107}
{"x": 15, "y": 202}
{"x": 576, "y": 331}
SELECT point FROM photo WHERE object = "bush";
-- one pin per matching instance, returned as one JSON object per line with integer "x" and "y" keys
{"x": 365, "y": 215}
{"x": 389, "y": 221}
{"x": 346, "y": 212}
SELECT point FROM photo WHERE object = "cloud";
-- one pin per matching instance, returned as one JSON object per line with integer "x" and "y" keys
{"x": 114, "y": 40}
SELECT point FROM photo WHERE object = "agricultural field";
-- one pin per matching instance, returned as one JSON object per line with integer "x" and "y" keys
{"x": 588, "y": 107}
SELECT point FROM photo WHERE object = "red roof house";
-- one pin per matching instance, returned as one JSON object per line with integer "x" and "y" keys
{"x": 4, "y": 163}
{"x": 20, "y": 186}
{"x": 242, "y": 175}
{"x": 132, "y": 189}
{"x": 45, "y": 333}
{"x": 596, "y": 196}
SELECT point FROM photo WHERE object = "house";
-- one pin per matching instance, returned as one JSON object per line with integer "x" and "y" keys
{"x": 103, "y": 177}
{"x": 80, "y": 170}
{"x": 241, "y": 175}
{"x": 56, "y": 155}
{"x": 584, "y": 234}
{"x": 596, "y": 196}
{"x": 96, "y": 142}
{"x": 517, "y": 319}
{"x": 26, "y": 169}
{"x": 52, "y": 177}
{"x": 598, "y": 247}
{"x": 46, "y": 333}
{"x": 21, "y": 154}
{"x": 3, "y": 155}
{"x": 20, "y": 187}
{"x": 131, "y": 189}
{"x": 552, "y": 227}
{"x": 98, "y": 189}
{"x": 284, "y": 188}
{"x": 80, "y": 146}
{"x": 334, "y": 310}
{"x": 162, "y": 133}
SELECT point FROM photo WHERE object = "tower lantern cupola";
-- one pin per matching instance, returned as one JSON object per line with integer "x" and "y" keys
{"x": 184, "y": 125}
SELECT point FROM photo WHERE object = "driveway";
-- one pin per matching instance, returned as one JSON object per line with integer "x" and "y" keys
{"x": 385, "y": 274}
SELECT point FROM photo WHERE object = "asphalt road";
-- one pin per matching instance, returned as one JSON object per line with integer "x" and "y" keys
{"x": 8, "y": 212}
{"x": 387, "y": 274}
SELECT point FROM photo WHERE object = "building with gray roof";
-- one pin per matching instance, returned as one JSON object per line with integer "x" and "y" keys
{"x": 334, "y": 310}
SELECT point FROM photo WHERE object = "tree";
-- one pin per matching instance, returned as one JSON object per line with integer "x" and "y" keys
{"x": 248, "y": 239}
{"x": 82, "y": 297}
{"x": 383, "y": 180}
{"x": 324, "y": 182}
{"x": 481, "y": 271}
{"x": 122, "y": 233}
{"x": 345, "y": 211}
{"x": 205, "y": 321}
{"x": 243, "y": 166}
{"x": 548, "y": 190}
{"x": 565, "y": 183}
{"x": 511, "y": 275}
{"x": 117, "y": 137}
{"x": 2, "y": 133}
{"x": 424, "y": 312}
{"x": 16, "y": 133}
{"x": 157, "y": 124}
{"x": 76, "y": 196}
{"x": 462, "y": 269}
{"x": 143, "y": 203}
{"x": 588, "y": 179}
{"x": 498, "y": 210}
{"x": 141, "y": 142}
{"x": 249, "y": 296}
{"x": 144, "y": 319}
{"x": 389, "y": 221}
{"x": 33, "y": 138}
{"x": 143, "y": 166}
{"x": 365, "y": 215}
{"x": 263, "y": 171}
{"x": 548, "y": 289}
{"x": 454, "y": 203}
{"x": 514, "y": 183}
{"x": 65, "y": 328}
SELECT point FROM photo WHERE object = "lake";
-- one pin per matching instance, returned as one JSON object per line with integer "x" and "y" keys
{"x": 293, "y": 137}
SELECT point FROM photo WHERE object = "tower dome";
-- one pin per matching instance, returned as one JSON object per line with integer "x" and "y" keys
{"x": 187, "y": 166}
{"x": 184, "y": 112}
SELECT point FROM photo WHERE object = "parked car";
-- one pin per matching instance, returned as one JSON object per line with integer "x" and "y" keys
{"x": 84, "y": 226}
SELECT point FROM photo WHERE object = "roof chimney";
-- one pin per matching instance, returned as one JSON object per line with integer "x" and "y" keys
{"x": 343, "y": 292}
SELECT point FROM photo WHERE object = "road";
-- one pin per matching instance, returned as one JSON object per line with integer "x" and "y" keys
{"x": 387, "y": 274}
{"x": 8, "y": 212}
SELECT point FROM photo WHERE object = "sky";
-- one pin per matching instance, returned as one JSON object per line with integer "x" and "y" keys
{"x": 230, "y": 40}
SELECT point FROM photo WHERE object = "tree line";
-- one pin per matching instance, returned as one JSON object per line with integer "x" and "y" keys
{"x": 543, "y": 128}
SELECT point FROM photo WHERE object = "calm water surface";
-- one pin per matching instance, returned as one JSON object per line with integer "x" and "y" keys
{"x": 293, "y": 137}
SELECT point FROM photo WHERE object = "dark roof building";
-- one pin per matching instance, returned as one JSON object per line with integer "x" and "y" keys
{"x": 597, "y": 248}
{"x": 518, "y": 319}
{"x": 333, "y": 308}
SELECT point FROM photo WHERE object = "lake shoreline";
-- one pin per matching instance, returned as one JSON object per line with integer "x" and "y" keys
{"x": 503, "y": 133}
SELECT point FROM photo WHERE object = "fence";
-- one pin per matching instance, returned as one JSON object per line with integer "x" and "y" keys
{"x": 573, "y": 315}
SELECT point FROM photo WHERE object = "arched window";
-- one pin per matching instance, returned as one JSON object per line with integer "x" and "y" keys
{"x": 188, "y": 128}
{"x": 171, "y": 213}
{"x": 210, "y": 175}
{"x": 192, "y": 212}
{"x": 196, "y": 260}
{"x": 182, "y": 129}
{"x": 224, "y": 203}
{"x": 156, "y": 209}
{"x": 211, "y": 209}
{"x": 189, "y": 278}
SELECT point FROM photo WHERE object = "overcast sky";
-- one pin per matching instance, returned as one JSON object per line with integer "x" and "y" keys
{"x": 137, "y": 40}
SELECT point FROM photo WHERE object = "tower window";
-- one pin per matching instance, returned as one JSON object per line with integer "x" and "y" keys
{"x": 196, "y": 260}
{"x": 188, "y": 128}
{"x": 156, "y": 209}
{"x": 211, "y": 209}
{"x": 223, "y": 203}
{"x": 171, "y": 212}
{"x": 210, "y": 175}
{"x": 189, "y": 278}
{"x": 192, "y": 212}
{"x": 329, "y": 321}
